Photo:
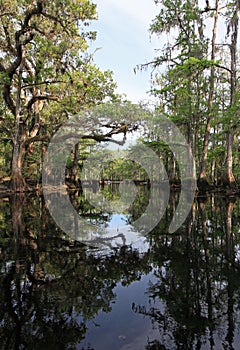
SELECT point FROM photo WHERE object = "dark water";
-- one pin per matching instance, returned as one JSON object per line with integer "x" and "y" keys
{"x": 164, "y": 291}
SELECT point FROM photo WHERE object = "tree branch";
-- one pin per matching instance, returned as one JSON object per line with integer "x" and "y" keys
{"x": 6, "y": 14}
{"x": 223, "y": 67}
{"x": 25, "y": 28}
{"x": 123, "y": 129}
{"x": 35, "y": 11}
{"x": 37, "y": 138}
{"x": 8, "y": 39}
{"x": 55, "y": 19}
{"x": 155, "y": 63}
{"x": 8, "y": 99}
{"x": 41, "y": 98}
{"x": 99, "y": 138}
{"x": 46, "y": 82}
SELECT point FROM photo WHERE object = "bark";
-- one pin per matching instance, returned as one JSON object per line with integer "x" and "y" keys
{"x": 213, "y": 174}
{"x": 228, "y": 177}
{"x": 12, "y": 96}
{"x": 172, "y": 175}
{"x": 18, "y": 183}
{"x": 74, "y": 168}
{"x": 202, "y": 178}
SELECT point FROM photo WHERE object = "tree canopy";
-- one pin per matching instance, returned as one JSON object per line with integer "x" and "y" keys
{"x": 46, "y": 73}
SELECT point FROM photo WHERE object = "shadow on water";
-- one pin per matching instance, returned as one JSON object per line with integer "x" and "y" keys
{"x": 182, "y": 291}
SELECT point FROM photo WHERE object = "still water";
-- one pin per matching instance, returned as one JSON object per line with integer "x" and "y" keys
{"x": 160, "y": 291}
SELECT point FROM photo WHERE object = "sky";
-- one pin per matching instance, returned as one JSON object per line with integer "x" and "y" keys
{"x": 124, "y": 41}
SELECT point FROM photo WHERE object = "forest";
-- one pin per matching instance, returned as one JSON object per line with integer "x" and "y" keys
{"x": 49, "y": 76}
{"x": 119, "y": 221}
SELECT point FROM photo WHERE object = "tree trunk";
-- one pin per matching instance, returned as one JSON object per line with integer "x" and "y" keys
{"x": 213, "y": 174}
{"x": 172, "y": 176}
{"x": 74, "y": 168}
{"x": 228, "y": 178}
{"x": 202, "y": 178}
{"x": 18, "y": 183}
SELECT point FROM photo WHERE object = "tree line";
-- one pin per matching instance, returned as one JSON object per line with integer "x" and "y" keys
{"x": 48, "y": 76}
{"x": 198, "y": 89}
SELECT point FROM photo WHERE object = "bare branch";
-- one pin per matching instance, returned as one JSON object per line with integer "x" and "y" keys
{"x": 99, "y": 138}
{"x": 155, "y": 63}
{"x": 122, "y": 129}
{"x": 223, "y": 67}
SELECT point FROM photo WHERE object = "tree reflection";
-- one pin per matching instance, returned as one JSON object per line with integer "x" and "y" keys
{"x": 230, "y": 257}
{"x": 198, "y": 280}
{"x": 51, "y": 287}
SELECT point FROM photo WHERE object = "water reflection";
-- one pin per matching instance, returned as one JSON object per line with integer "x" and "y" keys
{"x": 180, "y": 291}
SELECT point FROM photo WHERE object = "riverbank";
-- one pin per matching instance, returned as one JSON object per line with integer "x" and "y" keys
{"x": 36, "y": 187}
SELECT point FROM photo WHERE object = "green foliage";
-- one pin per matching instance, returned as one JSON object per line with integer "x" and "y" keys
{"x": 198, "y": 89}
{"x": 123, "y": 169}
{"x": 44, "y": 60}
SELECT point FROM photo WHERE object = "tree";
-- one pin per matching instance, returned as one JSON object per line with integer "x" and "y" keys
{"x": 203, "y": 165}
{"x": 232, "y": 30}
{"x": 100, "y": 124}
{"x": 44, "y": 74}
{"x": 181, "y": 88}
{"x": 198, "y": 88}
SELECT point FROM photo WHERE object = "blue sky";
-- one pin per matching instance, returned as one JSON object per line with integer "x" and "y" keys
{"x": 124, "y": 38}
